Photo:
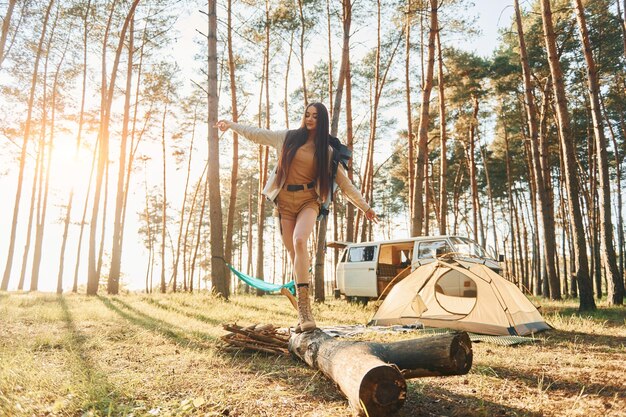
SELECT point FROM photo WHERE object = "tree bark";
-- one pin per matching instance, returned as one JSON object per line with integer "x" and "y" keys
{"x": 443, "y": 139}
{"x": 27, "y": 126}
{"x": 81, "y": 119}
{"x": 546, "y": 205}
{"x": 230, "y": 219}
{"x": 622, "y": 21}
{"x": 615, "y": 288}
{"x": 218, "y": 267}
{"x": 6, "y": 22}
{"x": 417, "y": 217}
{"x": 113, "y": 282}
{"x": 320, "y": 252}
{"x": 302, "y": 33}
{"x": 409, "y": 116}
{"x": 347, "y": 22}
{"x": 372, "y": 375}
{"x": 103, "y": 151}
{"x": 163, "y": 286}
{"x": 41, "y": 218}
{"x": 580, "y": 248}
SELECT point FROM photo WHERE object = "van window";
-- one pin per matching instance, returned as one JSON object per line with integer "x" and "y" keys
{"x": 468, "y": 247}
{"x": 362, "y": 254}
{"x": 432, "y": 248}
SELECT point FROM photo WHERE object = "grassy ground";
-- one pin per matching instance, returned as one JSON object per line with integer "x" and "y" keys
{"x": 139, "y": 355}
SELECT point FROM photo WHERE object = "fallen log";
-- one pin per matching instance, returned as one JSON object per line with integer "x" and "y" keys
{"x": 372, "y": 375}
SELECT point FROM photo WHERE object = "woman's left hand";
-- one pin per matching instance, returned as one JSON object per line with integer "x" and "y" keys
{"x": 371, "y": 216}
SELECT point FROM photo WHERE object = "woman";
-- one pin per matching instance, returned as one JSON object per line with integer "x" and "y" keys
{"x": 299, "y": 185}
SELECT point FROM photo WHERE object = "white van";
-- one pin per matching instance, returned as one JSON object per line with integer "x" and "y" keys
{"x": 366, "y": 269}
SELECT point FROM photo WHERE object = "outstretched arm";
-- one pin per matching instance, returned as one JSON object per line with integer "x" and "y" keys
{"x": 354, "y": 195}
{"x": 257, "y": 135}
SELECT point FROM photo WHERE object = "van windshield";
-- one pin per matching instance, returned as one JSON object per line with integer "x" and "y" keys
{"x": 467, "y": 246}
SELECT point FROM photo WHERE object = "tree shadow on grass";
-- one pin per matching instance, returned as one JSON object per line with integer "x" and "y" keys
{"x": 611, "y": 344}
{"x": 430, "y": 400}
{"x": 288, "y": 370}
{"x": 101, "y": 395}
{"x": 170, "y": 331}
{"x": 169, "y": 307}
{"x": 553, "y": 382}
{"x": 614, "y": 316}
{"x": 423, "y": 399}
{"x": 273, "y": 311}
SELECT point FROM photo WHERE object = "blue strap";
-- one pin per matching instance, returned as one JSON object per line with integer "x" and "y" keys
{"x": 260, "y": 284}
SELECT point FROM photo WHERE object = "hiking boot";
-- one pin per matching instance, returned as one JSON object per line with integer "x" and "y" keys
{"x": 306, "y": 323}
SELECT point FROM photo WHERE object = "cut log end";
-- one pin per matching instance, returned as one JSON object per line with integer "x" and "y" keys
{"x": 382, "y": 391}
{"x": 461, "y": 351}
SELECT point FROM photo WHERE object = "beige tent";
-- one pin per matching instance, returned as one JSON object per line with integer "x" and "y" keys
{"x": 460, "y": 295}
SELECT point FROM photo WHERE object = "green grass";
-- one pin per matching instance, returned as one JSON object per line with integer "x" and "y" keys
{"x": 145, "y": 355}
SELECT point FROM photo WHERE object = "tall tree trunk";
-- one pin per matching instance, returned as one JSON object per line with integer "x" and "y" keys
{"x": 286, "y": 89}
{"x": 492, "y": 208}
{"x": 103, "y": 152}
{"x": 113, "y": 282}
{"x": 409, "y": 116}
{"x": 181, "y": 221}
{"x": 42, "y": 219}
{"x": 546, "y": 204}
{"x": 345, "y": 58}
{"x": 164, "y": 202}
{"x": 218, "y": 267}
{"x": 29, "y": 228}
{"x": 263, "y": 151}
{"x": 509, "y": 181}
{"x": 230, "y": 220}
{"x": 330, "y": 62}
{"x": 249, "y": 240}
{"x": 417, "y": 217}
{"x": 618, "y": 184}
{"x": 443, "y": 138}
{"x": 6, "y": 22}
{"x": 83, "y": 221}
{"x": 198, "y": 229}
{"x": 27, "y": 126}
{"x": 580, "y": 248}
{"x": 302, "y": 33}
{"x": 471, "y": 160}
{"x": 615, "y": 290}
{"x": 320, "y": 252}
{"x": 44, "y": 167}
{"x": 81, "y": 119}
{"x": 622, "y": 20}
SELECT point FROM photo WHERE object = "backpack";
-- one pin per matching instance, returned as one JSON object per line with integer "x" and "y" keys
{"x": 341, "y": 155}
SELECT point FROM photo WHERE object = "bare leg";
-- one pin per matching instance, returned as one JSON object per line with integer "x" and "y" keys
{"x": 287, "y": 227}
{"x": 303, "y": 228}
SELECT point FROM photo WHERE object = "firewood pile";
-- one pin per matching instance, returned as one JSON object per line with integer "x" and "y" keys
{"x": 258, "y": 337}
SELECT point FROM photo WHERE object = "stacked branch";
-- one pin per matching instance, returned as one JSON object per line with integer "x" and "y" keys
{"x": 259, "y": 337}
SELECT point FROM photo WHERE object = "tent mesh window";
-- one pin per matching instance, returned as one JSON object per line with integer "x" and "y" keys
{"x": 456, "y": 292}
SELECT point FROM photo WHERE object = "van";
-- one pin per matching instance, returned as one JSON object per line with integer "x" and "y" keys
{"x": 368, "y": 270}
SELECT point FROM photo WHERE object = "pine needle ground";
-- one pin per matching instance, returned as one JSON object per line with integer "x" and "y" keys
{"x": 159, "y": 355}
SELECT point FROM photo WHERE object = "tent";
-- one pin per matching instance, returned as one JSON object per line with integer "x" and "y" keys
{"x": 460, "y": 295}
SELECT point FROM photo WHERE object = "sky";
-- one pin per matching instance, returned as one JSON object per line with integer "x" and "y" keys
{"x": 491, "y": 16}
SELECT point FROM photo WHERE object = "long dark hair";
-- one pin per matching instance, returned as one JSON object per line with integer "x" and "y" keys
{"x": 296, "y": 138}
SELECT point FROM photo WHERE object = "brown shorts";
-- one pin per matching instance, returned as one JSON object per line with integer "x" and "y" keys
{"x": 290, "y": 203}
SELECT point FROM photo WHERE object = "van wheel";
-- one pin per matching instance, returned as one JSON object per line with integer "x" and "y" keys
{"x": 362, "y": 300}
